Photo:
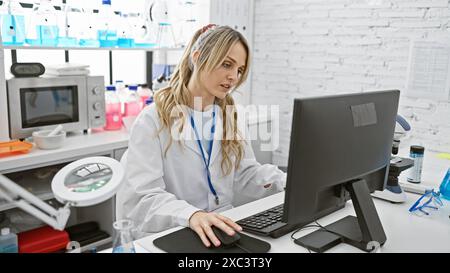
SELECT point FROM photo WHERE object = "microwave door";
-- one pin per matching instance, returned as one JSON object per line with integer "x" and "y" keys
{"x": 44, "y": 106}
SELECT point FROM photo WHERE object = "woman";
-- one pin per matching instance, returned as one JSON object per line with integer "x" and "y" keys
{"x": 175, "y": 179}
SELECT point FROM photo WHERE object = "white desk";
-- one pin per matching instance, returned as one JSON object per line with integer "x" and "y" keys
{"x": 405, "y": 232}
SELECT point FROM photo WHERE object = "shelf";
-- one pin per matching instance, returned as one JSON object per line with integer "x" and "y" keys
{"x": 96, "y": 244}
{"x": 95, "y": 48}
{"x": 75, "y": 146}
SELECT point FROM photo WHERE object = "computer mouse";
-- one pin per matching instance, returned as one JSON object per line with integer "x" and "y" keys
{"x": 224, "y": 238}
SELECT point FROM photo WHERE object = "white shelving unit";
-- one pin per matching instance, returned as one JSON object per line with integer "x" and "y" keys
{"x": 96, "y": 48}
{"x": 106, "y": 143}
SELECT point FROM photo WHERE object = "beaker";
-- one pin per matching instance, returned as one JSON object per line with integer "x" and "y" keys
{"x": 123, "y": 238}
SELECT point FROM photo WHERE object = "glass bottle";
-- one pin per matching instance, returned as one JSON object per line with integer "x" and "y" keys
{"x": 143, "y": 30}
{"x": 12, "y": 23}
{"x": 123, "y": 238}
{"x": 88, "y": 29}
{"x": 144, "y": 93}
{"x": 122, "y": 93}
{"x": 43, "y": 28}
{"x": 68, "y": 23}
{"x": 444, "y": 188}
{"x": 133, "y": 102}
{"x": 125, "y": 31}
{"x": 107, "y": 25}
{"x": 113, "y": 109}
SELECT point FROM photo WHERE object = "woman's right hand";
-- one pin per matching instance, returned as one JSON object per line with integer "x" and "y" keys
{"x": 202, "y": 221}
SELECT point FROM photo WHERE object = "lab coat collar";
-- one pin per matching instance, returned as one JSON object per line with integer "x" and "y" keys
{"x": 192, "y": 144}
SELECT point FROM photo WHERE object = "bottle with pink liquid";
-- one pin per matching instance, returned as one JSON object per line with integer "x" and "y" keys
{"x": 113, "y": 109}
{"x": 132, "y": 103}
{"x": 144, "y": 93}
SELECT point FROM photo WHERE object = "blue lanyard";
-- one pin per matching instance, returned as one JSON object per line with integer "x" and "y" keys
{"x": 208, "y": 174}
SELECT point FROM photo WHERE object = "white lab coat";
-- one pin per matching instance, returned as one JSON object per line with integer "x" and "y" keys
{"x": 160, "y": 192}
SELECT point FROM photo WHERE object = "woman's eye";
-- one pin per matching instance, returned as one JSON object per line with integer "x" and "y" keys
{"x": 226, "y": 65}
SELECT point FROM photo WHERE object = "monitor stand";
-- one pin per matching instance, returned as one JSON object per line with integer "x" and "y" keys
{"x": 364, "y": 231}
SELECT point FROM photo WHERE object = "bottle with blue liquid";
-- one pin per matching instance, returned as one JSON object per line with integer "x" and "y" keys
{"x": 444, "y": 189}
{"x": 125, "y": 31}
{"x": 43, "y": 29}
{"x": 12, "y": 23}
{"x": 88, "y": 29}
{"x": 107, "y": 30}
{"x": 8, "y": 241}
{"x": 68, "y": 24}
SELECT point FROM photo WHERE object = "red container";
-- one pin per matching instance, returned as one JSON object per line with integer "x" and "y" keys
{"x": 42, "y": 240}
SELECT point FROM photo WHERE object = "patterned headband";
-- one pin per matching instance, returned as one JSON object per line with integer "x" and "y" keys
{"x": 208, "y": 27}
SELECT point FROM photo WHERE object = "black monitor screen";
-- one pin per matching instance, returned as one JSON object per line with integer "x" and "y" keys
{"x": 336, "y": 140}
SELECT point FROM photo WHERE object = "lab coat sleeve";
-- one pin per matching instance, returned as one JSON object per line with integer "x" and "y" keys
{"x": 251, "y": 176}
{"x": 144, "y": 198}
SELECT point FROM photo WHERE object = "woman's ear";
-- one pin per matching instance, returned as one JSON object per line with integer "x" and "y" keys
{"x": 195, "y": 56}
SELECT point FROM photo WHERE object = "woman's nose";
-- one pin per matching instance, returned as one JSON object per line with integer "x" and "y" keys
{"x": 233, "y": 76}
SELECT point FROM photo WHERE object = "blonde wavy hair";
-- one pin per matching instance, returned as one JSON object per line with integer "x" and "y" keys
{"x": 213, "y": 44}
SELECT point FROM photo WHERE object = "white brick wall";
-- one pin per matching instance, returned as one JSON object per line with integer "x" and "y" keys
{"x": 316, "y": 47}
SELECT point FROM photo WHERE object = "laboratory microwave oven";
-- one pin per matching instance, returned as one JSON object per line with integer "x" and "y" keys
{"x": 40, "y": 103}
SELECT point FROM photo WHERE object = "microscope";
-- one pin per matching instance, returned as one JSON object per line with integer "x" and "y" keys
{"x": 393, "y": 192}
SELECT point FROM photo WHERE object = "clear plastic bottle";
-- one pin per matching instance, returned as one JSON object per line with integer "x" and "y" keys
{"x": 43, "y": 29}
{"x": 133, "y": 102}
{"x": 144, "y": 93}
{"x": 88, "y": 28}
{"x": 113, "y": 109}
{"x": 68, "y": 24}
{"x": 123, "y": 237}
{"x": 13, "y": 23}
{"x": 122, "y": 92}
{"x": 8, "y": 242}
{"x": 125, "y": 31}
{"x": 107, "y": 27}
{"x": 143, "y": 31}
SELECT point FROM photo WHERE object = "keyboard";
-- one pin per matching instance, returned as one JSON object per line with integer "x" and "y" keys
{"x": 265, "y": 222}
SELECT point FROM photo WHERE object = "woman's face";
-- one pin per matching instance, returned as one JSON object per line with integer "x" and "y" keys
{"x": 224, "y": 78}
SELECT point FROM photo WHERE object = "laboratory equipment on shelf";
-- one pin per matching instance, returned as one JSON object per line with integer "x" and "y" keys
{"x": 108, "y": 23}
{"x": 43, "y": 28}
{"x": 144, "y": 93}
{"x": 165, "y": 37}
{"x": 125, "y": 31}
{"x": 68, "y": 24}
{"x": 143, "y": 32}
{"x": 88, "y": 29}
{"x": 12, "y": 23}
{"x": 45, "y": 141}
{"x": 113, "y": 109}
{"x": 85, "y": 182}
{"x": 187, "y": 21}
{"x": 132, "y": 103}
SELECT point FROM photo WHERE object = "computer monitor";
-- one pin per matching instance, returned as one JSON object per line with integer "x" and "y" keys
{"x": 340, "y": 149}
